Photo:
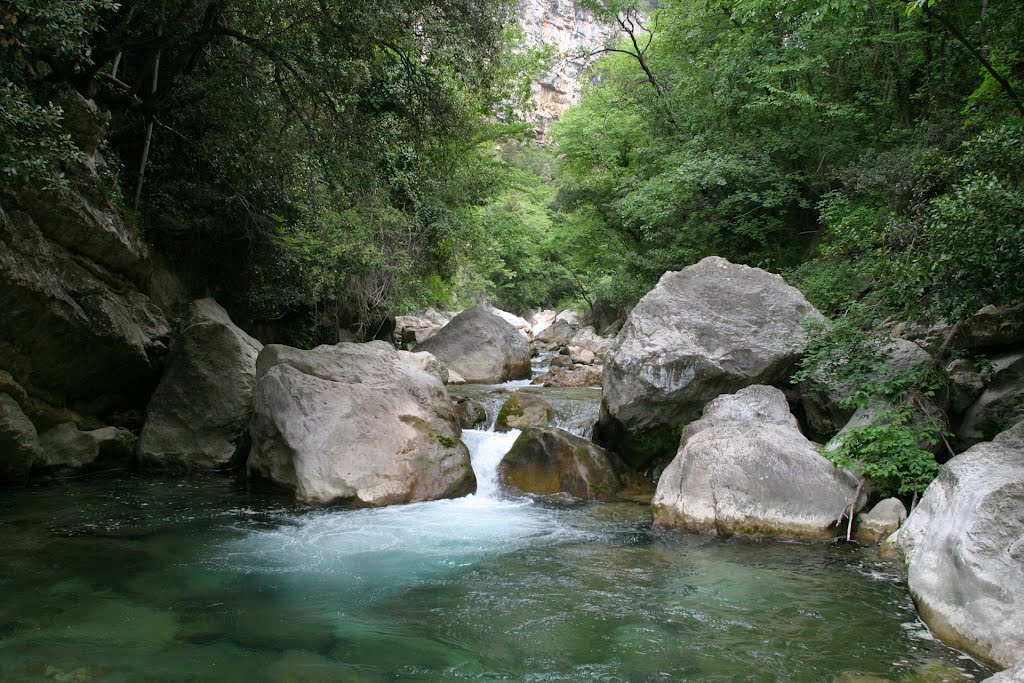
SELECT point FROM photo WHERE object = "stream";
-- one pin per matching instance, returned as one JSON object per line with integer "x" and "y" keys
{"x": 212, "y": 578}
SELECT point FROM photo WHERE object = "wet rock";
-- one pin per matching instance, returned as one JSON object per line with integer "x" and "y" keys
{"x": 964, "y": 549}
{"x": 709, "y": 329}
{"x": 65, "y": 449}
{"x": 745, "y": 468}
{"x": 524, "y": 409}
{"x": 199, "y": 415}
{"x": 882, "y": 521}
{"x": 1000, "y": 405}
{"x": 19, "y": 442}
{"x": 470, "y": 413}
{"x": 353, "y": 423}
{"x": 481, "y": 348}
{"x": 547, "y": 461}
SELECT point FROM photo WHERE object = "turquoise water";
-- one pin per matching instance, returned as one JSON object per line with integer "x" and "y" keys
{"x": 209, "y": 579}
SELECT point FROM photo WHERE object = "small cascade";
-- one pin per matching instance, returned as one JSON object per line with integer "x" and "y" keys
{"x": 486, "y": 449}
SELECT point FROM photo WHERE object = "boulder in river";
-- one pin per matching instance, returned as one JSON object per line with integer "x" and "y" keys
{"x": 709, "y": 329}
{"x": 524, "y": 409}
{"x": 745, "y": 468}
{"x": 65, "y": 449}
{"x": 481, "y": 347}
{"x": 881, "y": 522}
{"x": 353, "y": 423}
{"x": 546, "y": 461}
{"x": 199, "y": 415}
{"x": 964, "y": 549}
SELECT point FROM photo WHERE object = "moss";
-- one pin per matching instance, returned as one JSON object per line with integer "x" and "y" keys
{"x": 446, "y": 442}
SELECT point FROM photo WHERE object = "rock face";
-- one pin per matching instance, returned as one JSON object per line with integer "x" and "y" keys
{"x": 19, "y": 442}
{"x": 709, "y": 329}
{"x": 76, "y": 330}
{"x": 353, "y": 423}
{"x": 745, "y": 468}
{"x": 199, "y": 415}
{"x": 523, "y": 409}
{"x": 546, "y": 461}
{"x": 572, "y": 31}
{"x": 883, "y": 520}
{"x": 480, "y": 347}
{"x": 1000, "y": 405}
{"x": 964, "y": 548}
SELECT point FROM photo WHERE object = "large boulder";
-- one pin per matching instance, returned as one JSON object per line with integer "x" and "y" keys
{"x": 521, "y": 324}
{"x": 353, "y": 423}
{"x": 964, "y": 548}
{"x": 524, "y": 409}
{"x": 199, "y": 415}
{"x": 74, "y": 333}
{"x": 709, "y": 329}
{"x": 745, "y": 468}
{"x": 19, "y": 442}
{"x": 481, "y": 347}
{"x": 546, "y": 461}
{"x": 1000, "y": 405}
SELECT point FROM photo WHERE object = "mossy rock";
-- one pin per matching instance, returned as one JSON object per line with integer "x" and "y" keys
{"x": 524, "y": 409}
{"x": 545, "y": 461}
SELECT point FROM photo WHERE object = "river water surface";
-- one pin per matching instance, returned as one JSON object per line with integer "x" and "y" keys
{"x": 211, "y": 579}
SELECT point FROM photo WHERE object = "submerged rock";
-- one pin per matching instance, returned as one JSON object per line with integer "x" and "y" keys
{"x": 964, "y": 548}
{"x": 481, "y": 348}
{"x": 199, "y": 415}
{"x": 547, "y": 461}
{"x": 353, "y": 423}
{"x": 524, "y": 409}
{"x": 745, "y": 468}
{"x": 706, "y": 330}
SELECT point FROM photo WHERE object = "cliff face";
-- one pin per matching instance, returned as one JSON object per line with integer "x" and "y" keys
{"x": 573, "y": 32}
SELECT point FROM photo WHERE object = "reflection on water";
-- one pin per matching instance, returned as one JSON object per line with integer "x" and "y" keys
{"x": 205, "y": 579}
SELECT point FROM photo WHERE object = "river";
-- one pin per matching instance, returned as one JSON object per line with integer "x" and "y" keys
{"x": 212, "y": 578}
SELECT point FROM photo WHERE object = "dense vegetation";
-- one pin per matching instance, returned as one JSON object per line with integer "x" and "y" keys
{"x": 304, "y": 160}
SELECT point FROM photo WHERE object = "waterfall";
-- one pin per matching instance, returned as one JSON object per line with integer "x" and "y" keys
{"x": 486, "y": 449}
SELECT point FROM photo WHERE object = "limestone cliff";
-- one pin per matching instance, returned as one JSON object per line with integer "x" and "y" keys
{"x": 573, "y": 32}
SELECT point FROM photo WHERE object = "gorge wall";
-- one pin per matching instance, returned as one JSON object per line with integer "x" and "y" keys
{"x": 573, "y": 32}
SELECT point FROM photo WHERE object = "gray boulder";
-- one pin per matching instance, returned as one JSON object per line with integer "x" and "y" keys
{"x": 481, "y": 347}
{"x": 588, "y": 339}
{"x": 881, "y": 522}
{"x": 426, "y": 362}
{"x": 1000, "y": 405}
{"x": 574, "y": 376}
{"x": 524, "y": 326}
{"x": 709, "y": 329}
{"x": 964, "y": 549}
{"x": 470, "y": 413}
{"x": 993, "y": 327}
{"x": 19, "y": 442}
{"x": 559, "y": 333}
{"x": 524, "y": 409}
{"x": 547, "y": 461}
{"x": 354, "y": 424}
{"x": 745, "y": 468}
{"x": 65, "y": 449}
{"x": 199, "y": 415}
{"x": 415, "y": 328}
{"x": 965, "y": 384}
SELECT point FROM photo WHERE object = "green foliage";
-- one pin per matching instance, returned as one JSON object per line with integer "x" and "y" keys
{"x": 888, "y": 452}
